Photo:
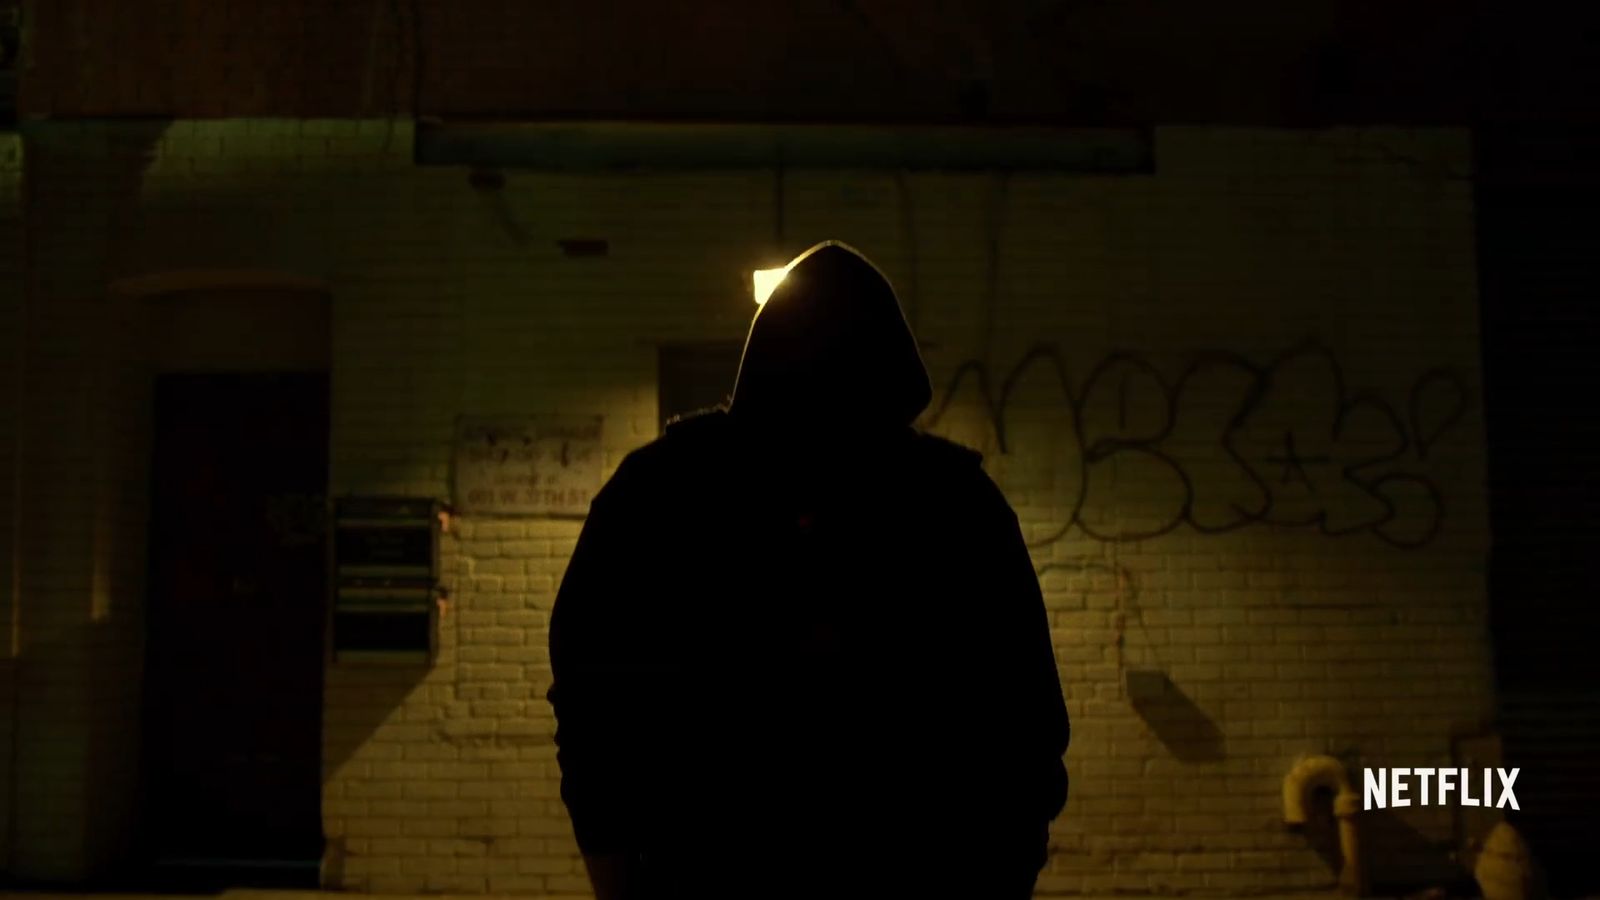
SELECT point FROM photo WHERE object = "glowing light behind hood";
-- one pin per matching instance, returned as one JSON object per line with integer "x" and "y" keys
{"x": 766, "y": 281}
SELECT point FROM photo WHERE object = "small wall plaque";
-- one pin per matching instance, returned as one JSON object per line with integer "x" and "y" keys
{"x": 527, "y": 465}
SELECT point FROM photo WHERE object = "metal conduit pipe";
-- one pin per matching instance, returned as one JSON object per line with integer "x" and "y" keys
{"x": 1315, "y": 772}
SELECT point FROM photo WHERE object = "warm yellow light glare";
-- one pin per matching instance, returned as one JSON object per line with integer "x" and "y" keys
{"x": 766, "y": 281}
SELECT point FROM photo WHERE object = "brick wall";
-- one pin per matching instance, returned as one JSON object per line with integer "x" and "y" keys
{"x": 11, "y": 326}
{"x": 83, "y": 420}
{"x": 1307, "y": 578}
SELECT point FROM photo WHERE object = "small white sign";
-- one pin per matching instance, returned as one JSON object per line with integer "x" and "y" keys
{"x": 527, "y": 465}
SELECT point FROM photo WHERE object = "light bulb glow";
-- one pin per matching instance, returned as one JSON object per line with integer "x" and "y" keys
{"x": 766, "y": 281}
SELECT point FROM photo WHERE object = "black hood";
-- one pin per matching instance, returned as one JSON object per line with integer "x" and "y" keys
{"x": 831, "y": 346}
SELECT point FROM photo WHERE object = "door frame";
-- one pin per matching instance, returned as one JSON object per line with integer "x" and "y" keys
{"x": 183, "y": 298}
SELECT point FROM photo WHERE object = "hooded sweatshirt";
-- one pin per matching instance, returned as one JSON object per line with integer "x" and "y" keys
{"x": 801, "y": 642}
{"x": 830, "y": 347}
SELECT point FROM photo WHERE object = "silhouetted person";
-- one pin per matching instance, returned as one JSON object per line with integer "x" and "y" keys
{"x": 800, "y": 648}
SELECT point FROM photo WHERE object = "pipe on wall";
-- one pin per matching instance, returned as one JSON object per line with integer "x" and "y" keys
{"x": 1315, "y": 772}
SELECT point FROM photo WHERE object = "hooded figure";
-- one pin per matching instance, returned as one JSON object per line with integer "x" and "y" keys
{"x": 800, "y": 649}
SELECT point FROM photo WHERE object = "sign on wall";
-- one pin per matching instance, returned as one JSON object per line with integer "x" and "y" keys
{"x": 527, "y": 465}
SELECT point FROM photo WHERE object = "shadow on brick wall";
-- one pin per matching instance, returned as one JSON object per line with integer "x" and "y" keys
{"x": 72, "y": 792}
{"x": 363, "y": 711}
{"x": 1180, "y": 725}
{"x": 365, "y": 762}
{"x": 1401, "y": 859}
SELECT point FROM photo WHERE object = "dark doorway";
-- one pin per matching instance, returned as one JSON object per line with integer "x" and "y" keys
{"x": 234, "y": 657}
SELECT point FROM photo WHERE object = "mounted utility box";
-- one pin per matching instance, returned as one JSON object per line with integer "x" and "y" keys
{"x": 386, "y": 577}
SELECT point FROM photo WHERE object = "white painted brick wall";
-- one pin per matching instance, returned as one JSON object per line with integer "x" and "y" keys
{"x": 1284, "y": 640}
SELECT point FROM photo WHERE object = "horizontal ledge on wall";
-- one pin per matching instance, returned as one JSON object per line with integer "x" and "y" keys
{"x": 588, "y": 146}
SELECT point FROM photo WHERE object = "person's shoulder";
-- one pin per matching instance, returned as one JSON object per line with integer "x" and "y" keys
{"x": 960, "y": 469}
{"x": 943, "y": 451}
{"x": 701, "y": 424}
{"x": 684, "y": 437}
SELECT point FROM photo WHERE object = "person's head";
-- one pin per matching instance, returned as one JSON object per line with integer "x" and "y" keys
{"x": 831, "y": 347}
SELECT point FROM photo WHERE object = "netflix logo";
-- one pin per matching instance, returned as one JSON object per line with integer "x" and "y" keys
{"x": 1389, "y": 788}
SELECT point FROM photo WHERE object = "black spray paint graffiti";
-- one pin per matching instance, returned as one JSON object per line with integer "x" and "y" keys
{"x": 1228, "y": 444}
